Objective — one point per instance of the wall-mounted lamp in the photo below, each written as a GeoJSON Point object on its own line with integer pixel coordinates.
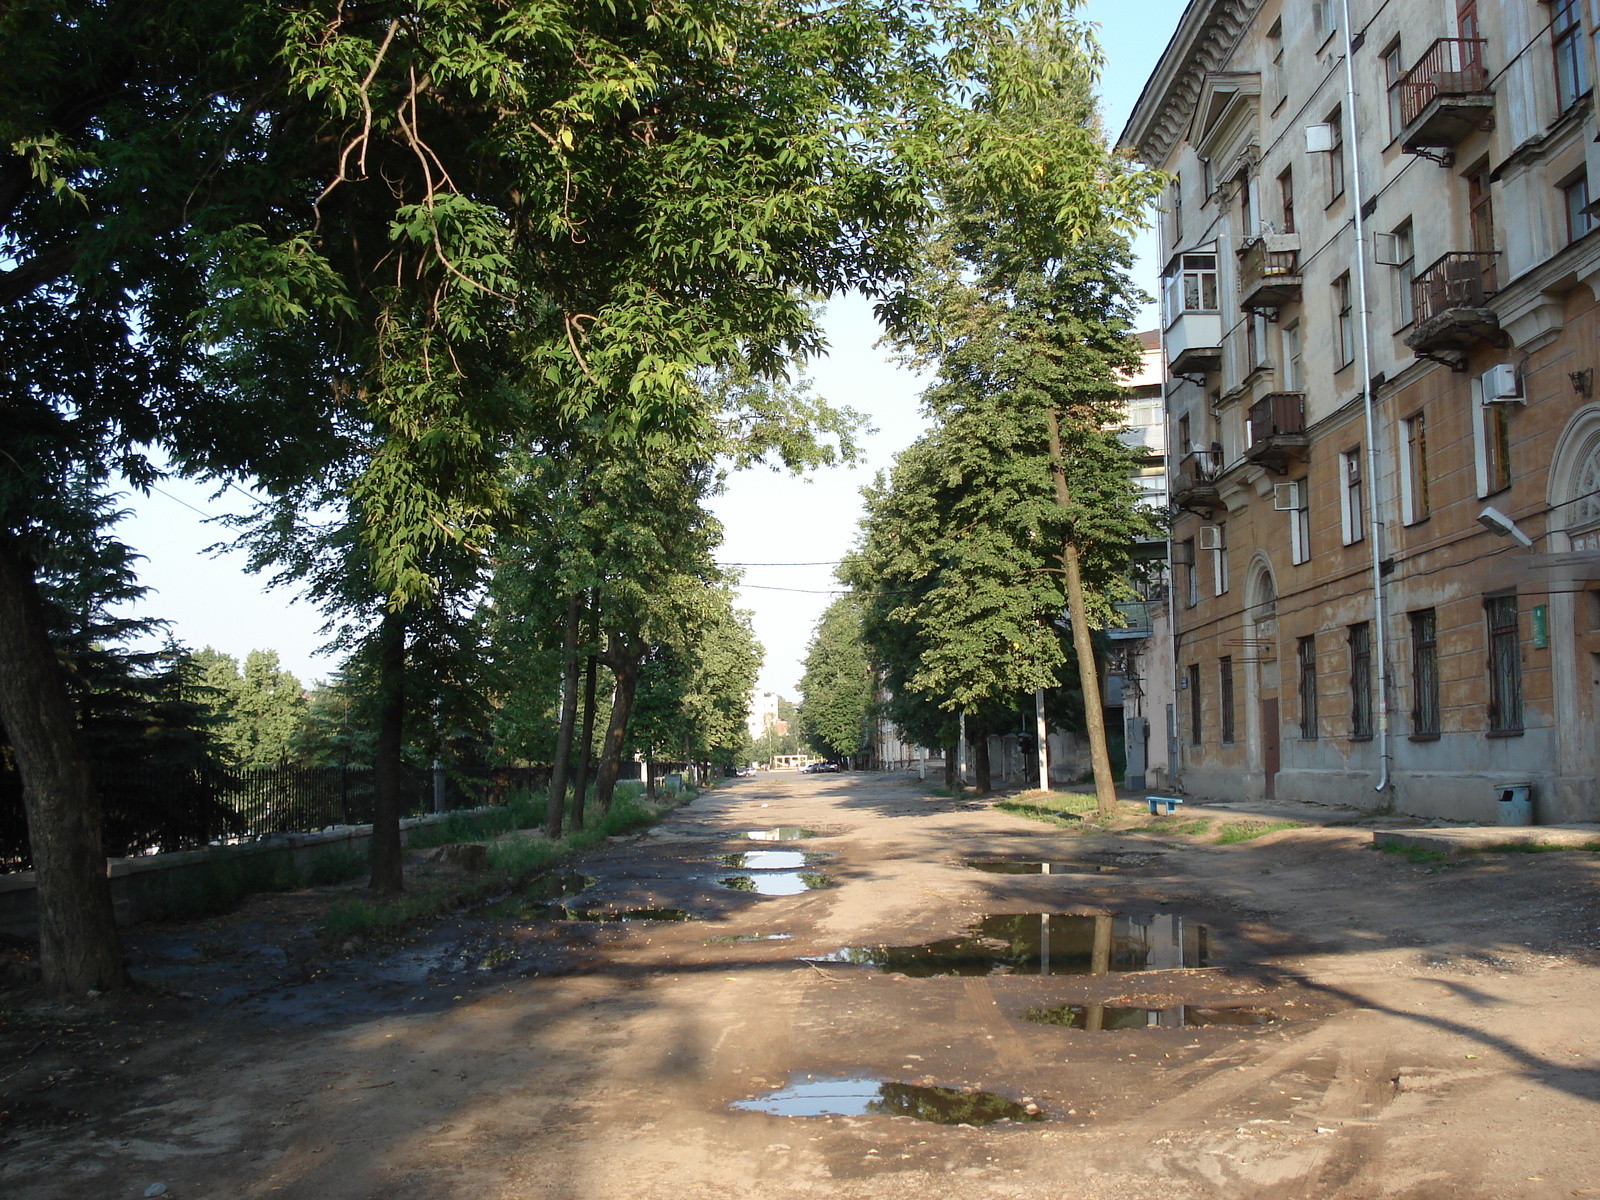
{"type": "Point", "coordinates": [1497, 522]}
{"type": "Point", "coordinates": [1582, 382]}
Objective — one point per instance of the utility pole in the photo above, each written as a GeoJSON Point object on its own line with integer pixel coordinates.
{"type": "Point", "coordinates": [1041, 736]}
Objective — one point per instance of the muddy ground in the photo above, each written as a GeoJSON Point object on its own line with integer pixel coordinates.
{"type": "Point", "coordinates": [1375, 1027]}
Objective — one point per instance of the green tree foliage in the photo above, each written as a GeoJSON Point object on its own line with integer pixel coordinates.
{"type": "Point", "coordinates": [836, 690]}
{"type": "Point", "coordinates": [257, 712]}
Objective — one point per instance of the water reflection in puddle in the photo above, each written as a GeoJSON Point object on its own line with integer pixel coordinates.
{"type": "Point", "coordinates": [776, 883]}
{"type": "Point", "coordinates": [534, 902]}
{"type": "Point", "coordinates": [784, 833]}
{"type": "Point", "coordinates": [1010, 867]}
{"type": "Point", "coordinates": [765, 860]}
{"type": "Point", "coordinates": [1047, 944]}
{"type": "Point", "coordinates": [1179, 1016]}
{"type": "Point", "coordinates": [560, 912]}
{"type": "Point", "coordinates": [854, 1096]}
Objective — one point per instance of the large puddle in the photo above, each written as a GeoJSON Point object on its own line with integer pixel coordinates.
{"type": "Point", "coordinates": [536, 900]}
{"type": "Point", "coordinates": [1179, 1016]}
{"type": "Point", "coordinates": [856, 1095]}
{"type": "Point", "coordinates": [1010, 867]}
{"type": "Point", "coordinates": [776, 883]}
{"type": "Point", "coordinates": [1047, 944]}
{"type": "Point", "coordinates": [784, 833]}
{"type": "Point", "coordinates": [764, 860]}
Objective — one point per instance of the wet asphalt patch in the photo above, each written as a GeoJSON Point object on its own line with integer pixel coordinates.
{"type": "Point", "coordinates": [866, 1095]}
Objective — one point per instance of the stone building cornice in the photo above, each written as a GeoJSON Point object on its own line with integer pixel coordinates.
{"type": "Point", "coordinates": [1206, 36]}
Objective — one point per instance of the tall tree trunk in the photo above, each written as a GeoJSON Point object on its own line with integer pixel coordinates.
{"type": "Point", "coordinates": [556, 802]}
{"type": "Point", "coordinates": [650, 778]}
{"type": "Point", "coordinates": [580, 778]}
{"type": "Point", "coordinates": [980, 758]}
{"type": "Point", "coordinates": [388, 872]}
{"type": "Point", "coordinates": [950, 766]}
{"type": "Point", "coordinates": [78, 944]}
{"type": "Point", "coordinates": [1105, 788]}
{"type": "Point", "coordinates": [624, 664]}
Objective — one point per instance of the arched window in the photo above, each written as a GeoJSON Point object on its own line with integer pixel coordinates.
{"type": "Point", "coordinates": [1583, 517]}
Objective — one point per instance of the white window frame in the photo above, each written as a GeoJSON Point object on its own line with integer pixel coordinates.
{"type": "Point", "coordinates": [1480, 440]}
{"type": "Point", "coordinates": [1300, 522]}
{"type": "Point", "coordinates": [1352, 500]}
{"type": "Point", "coordinates": [1219, 564]}
{"type": "Point", "coordinates": [1405, 252]}
{"type": "Point", "coordinates": [1293, 349]}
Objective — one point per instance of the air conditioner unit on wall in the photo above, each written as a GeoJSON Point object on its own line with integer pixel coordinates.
{"type": "Point", "coordinates": [1286, 497]}
{"type": "Point", "coordinates": [1502, 385]}
{"type": "Point", "coordinates": [1211, 537]}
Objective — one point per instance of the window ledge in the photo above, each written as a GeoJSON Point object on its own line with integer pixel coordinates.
{"type": "Point", "coordinates": [1505, 733]}
{"type": "Point", "coordinates": [1422, 737]}
{"type": "Point", "coordinates": [1359, 737]}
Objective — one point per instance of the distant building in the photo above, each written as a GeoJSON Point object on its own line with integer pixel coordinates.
{"type": "Point", "coordinates": [762, 715]}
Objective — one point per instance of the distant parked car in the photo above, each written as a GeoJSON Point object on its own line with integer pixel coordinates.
{"type": "Point", "coordinates": [742, 772]}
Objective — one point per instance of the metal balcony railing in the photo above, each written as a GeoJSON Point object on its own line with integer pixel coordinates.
{"type": "Point", "coordinates": [1449, 67]}
{"type": "Point", "coordinates": [1257, 263]}
{"type": "Point", "coordinates": [1459, 279]}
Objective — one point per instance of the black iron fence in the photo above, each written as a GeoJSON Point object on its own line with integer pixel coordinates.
{"type": "Point", "coordinates": [149, 810]}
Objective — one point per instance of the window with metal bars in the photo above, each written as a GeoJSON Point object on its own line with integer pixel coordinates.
{"type": "Point", "coordinates": [1505, 666]}
{"type": "Point", "coordinates": [1225, 679]}
{"type": "Point", "coordinates": [1360, 638]}
{"type": "Point", "coordinates": [1424, 674]}
{"type": "Point", "coordinates": [1194, 704]}
{"type": "Point", "coordinates": [1308, 688]}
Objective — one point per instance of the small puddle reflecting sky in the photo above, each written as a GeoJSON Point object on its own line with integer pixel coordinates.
{"type": "Point", "coordinates": [855, 1096]}
{"type": "Point", "coordinates": [1009, 867]}
{"type": "Point", "coordinates": [1179, 1016]}
{"type": "Point", "coordinates": [784, 833]}
{"type": "Point", "coordinates": [1047, 944]}
{"type": "Point", "coordinates": [776, 883]}
{"type": "Point", "coordinates": [765, 860]}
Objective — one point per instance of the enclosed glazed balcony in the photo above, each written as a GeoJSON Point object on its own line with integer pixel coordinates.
{"type": "Point", "coordinates": [1445, 97]}
{"type": "Point", "coordinates": [1450, 303]}
{"type": "Point", "coordinates": [1269, 272]}
{"type": "Point", "coordinates": [1194, 485]}
{"type": "Point", "coordinates": [1278, 431]}
{"type": "Point", "coordinates": [1194, 344]}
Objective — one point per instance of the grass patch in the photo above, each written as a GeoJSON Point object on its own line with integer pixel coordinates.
{"type": "Point", "coordinates": [1247, 831]}
{"type": "Point", "coordinates": [1415, 854]}
{"type": "Point", "coordinates": [1531, 847]}
{"type": "Point", "coordinates": [1064, 810]}
{"type": "Point", "coordinates": [335, 866]}
{"type": "Point", "coordinates": [1175, 826]}
{"type": "Point", "coordinates": [513, 861]}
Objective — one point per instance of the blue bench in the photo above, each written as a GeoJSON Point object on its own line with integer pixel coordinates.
{"type": "Point", "coordinates": [1171, 802]}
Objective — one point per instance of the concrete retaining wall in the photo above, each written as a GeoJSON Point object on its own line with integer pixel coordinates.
{"type": "Point", "coordinates": [156, 884]}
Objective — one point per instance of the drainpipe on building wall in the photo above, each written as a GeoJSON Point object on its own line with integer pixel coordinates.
{"type": "Point", "coordinates": [1373, 506]}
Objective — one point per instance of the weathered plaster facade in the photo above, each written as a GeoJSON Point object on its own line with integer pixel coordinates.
{"type": "Point", "coordinates": [1474, 129]}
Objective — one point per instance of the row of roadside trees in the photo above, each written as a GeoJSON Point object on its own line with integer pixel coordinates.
{"type": "Point", "coordinates": [480, 295]}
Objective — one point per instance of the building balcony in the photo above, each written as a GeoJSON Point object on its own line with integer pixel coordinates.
{"type": "Point", "coordinates": [1194, 344]}
{"type": "Point", "coordinates": [1269, 272]}
{"type": "Point", "coordinates": [1138, 618]}
{"type": "Point", "coordinates": [1445, 97]}
{"type": "Point", "coordinates": [1278, 435]}
{"type": "Point", "coordinates": [1195, 482]}
{"type": "Point", "coordinates": [1449, 301]}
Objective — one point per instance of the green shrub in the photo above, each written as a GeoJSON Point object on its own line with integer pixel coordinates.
{"type": "Point", "coordinates": [335, 866]}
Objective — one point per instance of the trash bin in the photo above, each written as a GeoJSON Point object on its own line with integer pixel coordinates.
{"type": "Point", "coordinates": [1516, 804]}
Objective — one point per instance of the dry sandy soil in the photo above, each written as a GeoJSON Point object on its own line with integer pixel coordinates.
{"type": "Point", "coordinates": [1433, 1028]}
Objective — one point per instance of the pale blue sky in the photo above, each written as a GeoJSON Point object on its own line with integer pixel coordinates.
{"type": "Point", "coordinates": [769, 518]}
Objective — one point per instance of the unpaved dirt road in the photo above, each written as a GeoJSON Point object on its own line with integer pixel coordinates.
{"type": "Point", "coordinates": [1434, 1031]}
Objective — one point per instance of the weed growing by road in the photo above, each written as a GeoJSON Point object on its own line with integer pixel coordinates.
{"type": "Point", "coordinates": [1415, 854]}
{"type": "Point", "coordinates": [1064, 810]}
{"type": "Point", "coordinates": [1245, 831]}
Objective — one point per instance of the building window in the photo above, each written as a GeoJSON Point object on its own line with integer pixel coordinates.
{"type": "Point", "coordinates": [1424, 674]}
{"type": "Point", "coordinates": [1414, 470]}
{"type": "Point", "coordinates": [1280, 84]}
{"type": "Point", "coordinates": [1360, 637]}
{"type": "Point", "coordinates": [1480, 205]}
{"type": "Point", "coordinates": [1566, 30]}
{"type": "Point", "coordinates": [1192, 592]}
{"type": "Point", "coordinates": [1194, 705]}
{"type": "Point", "coordinates": [1177, 207]}
{"type": "Point", "coordinates": [1194, 287]}
{"type": "Point", "coordinates": [1219, 561]}
{"type": "Point", "coordinates": [1491, 444]}
{"type": "Point", "coordinates": [1344, 323]}
{"type": "Point", "coordinates": [1300, 522]}
{"type": "Point", "coordinates": [1225, 674]}
{"type": "Point", "coordinates": [1294, 379]}
{"type": "Point", "coordinates": [1505, 665]}
{"type": "Point", "coordinates": [1393, 68]}
{"type": "Point", "coordinates": [1352, 505]}
{"type": "Point", "coordinates": [1247, 205]}
{"type": "Point", "coordinates": [1335, 121]}
{"type": "Point", "coordinates": [1307, 657]}
{"type": "Point", "coordinates": [1185, 441]}
{"type": "Point", "coordinates": [1286, 200]}
{"type": "Point", "coordinates": [1324, 17]}
{"type": "Point", "coordinates": [1575, 199]}
{"type": "Point", "coordinates": [1405, 257]}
